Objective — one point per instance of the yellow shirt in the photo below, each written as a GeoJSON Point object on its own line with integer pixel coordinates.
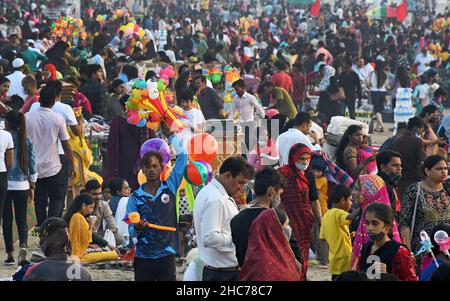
{"type": "Point", "coordinates": [79, 234]}
{"type": "Point", "coordinates": [337, 234]}
{"type": "Point", "coordinates": [322, 188]}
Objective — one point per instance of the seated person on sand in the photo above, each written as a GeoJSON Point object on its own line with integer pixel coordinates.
{"type": "Point", "coordinates": [105, 218]}
{"type": "Point", "coordinates": [86, 244]}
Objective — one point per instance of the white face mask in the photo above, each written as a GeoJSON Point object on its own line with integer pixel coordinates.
{"type": "Point", "coordinates": [301, 167]}
{"type": "Point", "coordinates": [288, 232]}
{"type": "Point", "coordinates": [276, 201]}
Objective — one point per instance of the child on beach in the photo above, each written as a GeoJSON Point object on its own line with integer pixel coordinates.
{"type": "Point", "coordinates": [365, 151]}
{"type": "Point", "coordinates": [335, 230]}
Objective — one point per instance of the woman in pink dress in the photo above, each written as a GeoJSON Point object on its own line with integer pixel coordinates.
{"type": "Point", "coordinates": [372, 189]}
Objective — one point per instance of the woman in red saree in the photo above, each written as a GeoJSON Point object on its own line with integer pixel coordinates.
{"type": "Point", "coordinates": [295, 199]}
{"type": "Point", "coordinates": [269, 256]}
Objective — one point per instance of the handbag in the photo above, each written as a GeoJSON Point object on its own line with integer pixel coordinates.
{"type": "Point", "coordinates": [339, 95]}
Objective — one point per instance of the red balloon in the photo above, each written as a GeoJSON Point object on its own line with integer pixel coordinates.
{"type": "Point", "coordinates": [196, 173]}
{"type": "Point", "coordinates": [202, 147]}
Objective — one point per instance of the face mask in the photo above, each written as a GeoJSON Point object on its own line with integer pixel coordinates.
{"type": "Point", "coordinates": [301, 167]}
{"type": "Point", "coordinates": [262, 143]}
{"type": "Point", "coordinates": [377, 236]}
{"type": "Point", "coordinates": [395, 177]}
{"type": "Point", "coordinates": [287, 232]}
{"type": "Point", "coordinates": [276, 202]}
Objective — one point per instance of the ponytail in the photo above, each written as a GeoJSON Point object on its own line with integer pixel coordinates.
{"type": "Point", "coordinates": [23, 143]}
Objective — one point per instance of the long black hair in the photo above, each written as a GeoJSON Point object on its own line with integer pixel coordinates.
{"type": "Point", "coordinates": [77, 204]}
{"type": "Point", "coordinates": [16, 121]}
{"type": "Point", "coordinates": [343, 144]}
{"type": "Point", "coordinates": [381, 75]}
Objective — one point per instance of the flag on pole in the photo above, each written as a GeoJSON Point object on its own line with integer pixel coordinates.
{"type": "Point", "coordinates": [402, 11]}
{"type": "Point", "coordinates": [315, 9]}
{"type": "Point", "coordinates": [386, 11]}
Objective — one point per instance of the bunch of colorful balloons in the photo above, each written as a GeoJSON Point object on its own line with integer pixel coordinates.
{"type": "Point", "coordinates": [441, 24]}
{"type": "Point", "coordinates": [66, 28]}
{"type": "Point", "coordinates": [147, 106]}
{"type": "Point", "coordinates": [231, 75]}
{"type": "Point", "coordinates": [131, 29]}
{"type": "Point", "coordinates": [214, 74]}
{"type": "Point", "coordinates": [202, 150]}
{"type": "Point", "coordinates": [435, 48]}
{"type": "Point", "coordinates": [101, 19]}
{"type": "Point", "coordinates": [120, 12]}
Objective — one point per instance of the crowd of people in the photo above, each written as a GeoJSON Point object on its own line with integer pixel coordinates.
{"type": "Point", "coordinates": [282, 204]}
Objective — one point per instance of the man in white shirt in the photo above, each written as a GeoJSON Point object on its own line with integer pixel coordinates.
{"type": "Point", "coordinates": [71, 121]}
{"type": "Point", "coordinates": [297, 134]}
{"type": "Point", "coordinates": [246, 105]}
{"type": "Point", "coordinates": [423, 61]}
{"type": "Point", "coordinates": [213, 210]}
{"type": "Point", "coordinates": [45, 128]}
{"type": "Point", "coordinates": [15, 78]}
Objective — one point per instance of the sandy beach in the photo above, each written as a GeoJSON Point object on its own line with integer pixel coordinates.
{"type": "Point", "coordinates": [315, 272]}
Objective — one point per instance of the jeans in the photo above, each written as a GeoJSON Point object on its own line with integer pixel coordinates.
{"type": "Point", "coordinates": [3, 191]}
{"type": "Point", "coordinates": [161, 269]}
{"type": "Point", "coordinates": [210, 275]}
{"type": "Point", "coordinates": [50, 192]}
{"type": "Point", "coordinates": [19, 198]}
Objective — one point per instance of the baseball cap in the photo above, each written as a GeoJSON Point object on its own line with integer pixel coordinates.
{"type": "Point", "coordinates": [30, 41]}
{"type": "Point", "coordinates": [17, 63]}
{"type": "Point", "coordinates": [50, 226]}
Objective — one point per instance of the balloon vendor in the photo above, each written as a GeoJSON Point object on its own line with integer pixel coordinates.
{"type": "Point", "coordinates": [155, 202]}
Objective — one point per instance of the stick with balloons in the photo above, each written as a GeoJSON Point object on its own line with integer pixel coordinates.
{"type": "Point", "coordinates": [442, 239]}
{"type": "Point", "coordinates": [202, 150]}
{"type": "Point", "coordinates": [425, 241]}
{"type": "Point", "coordinates": [131, 29]}
{"type": "Point", "coordinates": [66, 28]}
{"type": "Point", "coordinates": [147, 105]}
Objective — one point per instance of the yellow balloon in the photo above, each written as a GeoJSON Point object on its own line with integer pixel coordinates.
{"type": "Point", "coordinates": [183, 184]}
{"type": "Point", "coordinates": [142, 179]}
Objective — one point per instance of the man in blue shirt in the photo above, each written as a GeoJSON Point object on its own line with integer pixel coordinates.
{"type": "Point", "coordinates": [155, 202]}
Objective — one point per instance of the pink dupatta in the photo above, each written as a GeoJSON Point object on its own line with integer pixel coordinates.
{"type": "Point", "coordinates": [373, 189]}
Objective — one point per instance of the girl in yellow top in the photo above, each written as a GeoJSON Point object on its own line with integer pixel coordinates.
{"type": "Point", "coordinates": [80, 232]}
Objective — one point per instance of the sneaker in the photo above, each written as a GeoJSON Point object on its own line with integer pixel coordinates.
{"type": "Point", "coordinates": [22, 255]}
{"type": "Point", "coordinates": [36, 257]}
{"type": "Point", "coordinates": [9, 261]}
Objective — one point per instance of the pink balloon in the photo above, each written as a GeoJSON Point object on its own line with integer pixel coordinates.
{"type": "Point", "coordinates": [170, 72]}
{"type": "Point", "coordinates": [128, 31]}
{"type": "Point", "coordinates": [133, 117]}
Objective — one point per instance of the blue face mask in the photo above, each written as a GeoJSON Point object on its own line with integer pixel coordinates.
{"type": "Point", "coordinates": [301, 167]}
